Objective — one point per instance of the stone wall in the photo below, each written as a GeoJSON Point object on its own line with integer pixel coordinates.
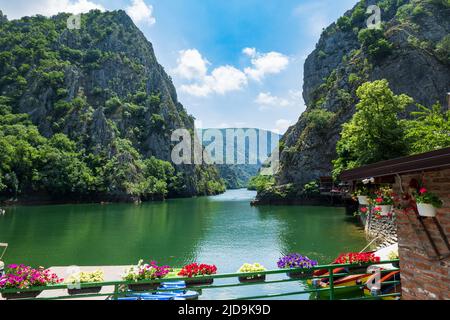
{"type": "Point", "coordinates": [382, 231]}
{"type": "Point", "coordinates": [422, 277]}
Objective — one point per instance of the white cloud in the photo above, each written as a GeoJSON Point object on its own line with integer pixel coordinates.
{"type": "Point", "coordinates": [222, 80]}
{"type": "Point", "coordinates": [281, 126]}
{"type": "Point", "coordinates": [266, 99]}
{"type": "Point", "coordinates": [140, 12]}
{"type": "Point", "coordinates": [191, 65]}
{"type": "Point", "coordinates": [266, 64]}
{"type": "Point", "coordinates": [251, 52]}
{"type": "Point", "coordinates": [21, 8]}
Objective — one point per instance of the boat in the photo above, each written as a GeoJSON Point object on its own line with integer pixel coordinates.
{"type": "Point", "coordinates": [350, 280]}
{"type": "Point", "coordinates": [385, 286]}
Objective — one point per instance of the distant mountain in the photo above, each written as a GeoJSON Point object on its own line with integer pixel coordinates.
{"type": "Point", "coordinates": [249, 148]}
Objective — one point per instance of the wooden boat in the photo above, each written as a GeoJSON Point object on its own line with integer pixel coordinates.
{"type": "Point", "coordinates": [343, 284]}
{"type": "Point", "coordinates": [350, 278]}
{"type": "Point", "coordinates": [386, 288]}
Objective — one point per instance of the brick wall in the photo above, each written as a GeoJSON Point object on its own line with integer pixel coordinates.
{"type": "Point", "coordinates": [423, 278]}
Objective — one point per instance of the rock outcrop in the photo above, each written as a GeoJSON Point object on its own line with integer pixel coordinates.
{"type": "Point", "coordinates": [407, 55]}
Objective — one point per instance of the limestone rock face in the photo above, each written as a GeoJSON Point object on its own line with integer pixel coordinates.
{"type": "Point", "coordinates": [104, 83]}
{"type": "Point", "coordinates": [339, 65]}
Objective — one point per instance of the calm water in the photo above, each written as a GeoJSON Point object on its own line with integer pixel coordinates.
{"type": "Point", "coordinates": [222, 230]}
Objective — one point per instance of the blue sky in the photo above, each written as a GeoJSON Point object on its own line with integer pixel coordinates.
{"type": "Point", "coordinates": [235, 63]}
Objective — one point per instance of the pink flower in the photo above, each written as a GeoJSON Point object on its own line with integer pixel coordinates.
{"type": "Point", "coordinates": [423, 190]}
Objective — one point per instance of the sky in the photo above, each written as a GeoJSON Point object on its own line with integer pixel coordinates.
{"type": "Point", "coordinates": [235, 63]}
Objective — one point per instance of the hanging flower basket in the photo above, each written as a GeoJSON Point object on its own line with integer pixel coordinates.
{"type": "Point", "coordinates": [254, 279]}
{"type": "Point", "coordinates": [252, 268]}
{"type": "Point", "coordinates": [21, 295]}
{"type": "Point", "coordinates": [426, 210]}
{"type": "Point", "coordinates": [297, 261]}
{"type": "Point", "coordinates": [21, 277]}
{"type": "Point", "coordinates": [143, 287]}
{"type": "Point", "coordinates": [197, 282]}
{"type": "Point", "coordinates": [301, 275]}
{"type": "Point", "coordinates": [75, 281]}
{"type": "Point", "coordinates": [145, 272]}
{"type": "Point", "coordinates": [92, 290]}
{"type": "Point", "coordinates": [196, 274]}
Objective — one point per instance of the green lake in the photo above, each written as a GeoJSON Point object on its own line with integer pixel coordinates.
{"type": "Point", "coordinates": [223, 230]}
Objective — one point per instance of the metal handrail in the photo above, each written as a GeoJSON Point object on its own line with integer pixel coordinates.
{"type": "Point", "coordinates": [122, 284]}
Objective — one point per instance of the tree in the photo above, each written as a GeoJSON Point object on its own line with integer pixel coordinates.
{"type": "Point", "coordinates": [375, 132]}
{"type": "Point", "coordinates": [430, 130]}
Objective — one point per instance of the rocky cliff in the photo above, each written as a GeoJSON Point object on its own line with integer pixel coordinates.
{"type": "Point", "coordinates": [97, 85]}
{"type": "Point", "coordinates": [411, 51]}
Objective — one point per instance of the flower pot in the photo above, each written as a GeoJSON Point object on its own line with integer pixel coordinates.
{"type": "Point", "coordinates": [363, 200]}
{"type": "Point", "coordinates": [253, 279]}
{"type": "Point", "coordinates": [426, 210]}
{"type": "Point", "coordinates": [301, 275]}
{"type": "Point", "coordinates": [385, 210]}
{"type": "Point", "coordinates": [21, 295]}
{"type": "Point", "coordinates": [143, 287]}
{"type": "Point", "coordinates": [196, 282]}
{"type": "Point", "coordinates": [93, 290]}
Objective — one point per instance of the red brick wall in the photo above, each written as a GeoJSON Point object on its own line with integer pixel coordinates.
{"type": "Point", "coordinates": [423, 278]}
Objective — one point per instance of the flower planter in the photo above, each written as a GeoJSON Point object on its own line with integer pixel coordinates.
{"type": "Point", "coordinates": [385, 210]}
{"type": "Point", "coordinates": [253, 279]}
{"type": "Point", "coordinates": [426, 210]}
{"type": "Point", "coordinates": [196, 282]}
{"type": "Point", "coordinates": [21, 295]}
{"type": "Point", "coordinates": [143, 287]}
{"type": "Point", "coordinates": [301, 275]}
{"type": "Point", "coordinates": [363, 200]}
{"type": "Point", "coordinates": [93, 290]}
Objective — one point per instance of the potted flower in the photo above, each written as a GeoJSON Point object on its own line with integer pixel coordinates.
{"type": "Point", "coordinates": [252, 268]}
{"type": "Point", "coordinates": [362, 211]}
{"type": "Point", "coordinates": [427, 203]}
{"type": "Point", "coordinates": [363, 196]}
{"type": "Point", "coordinates": [21, 277]}
{"type": "Point", "coordinates": [196, 273]}
{"type": "Point", "coordinates": [297, 261]}
{"type": "Point", "coordinates": [384, 199]}
{"type": "Point", "coordinates": [145, 272]}
{"type": "Point", "coordinates": [75, 281]}
{"type": "Point", "coordinates": [358, 260]}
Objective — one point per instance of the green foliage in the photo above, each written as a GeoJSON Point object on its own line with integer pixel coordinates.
{"type": "Point", "coordinates": [375, 44]}
{"type": "Point", "coordinates": [429, 130]}
{"type": "Point", "coordinates": [375, 132]}
{"type": "Point", "coordinates": [344, 23]}
{"type": "Point", "coordinates": [442, 49]}
{"type": "Point", "coordinates": [40, 57]}
{"type": "Point", "coordinates": [319, 119]}
{"type": "Point", "coordinates": [311, 188]}
{"type": "Point", "coordinates": [261, 182]}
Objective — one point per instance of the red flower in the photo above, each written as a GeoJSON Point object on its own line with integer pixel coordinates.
{"type": "Point", "coordinates": [364, 210]}
{"type": "Point", "coordinates": [379, 200]}
{"type": "Point", "coordinates": [423, 190]}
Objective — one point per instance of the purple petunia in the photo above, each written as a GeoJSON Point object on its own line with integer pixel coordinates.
{"type": "Point", "coordinates": [296, 261]}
